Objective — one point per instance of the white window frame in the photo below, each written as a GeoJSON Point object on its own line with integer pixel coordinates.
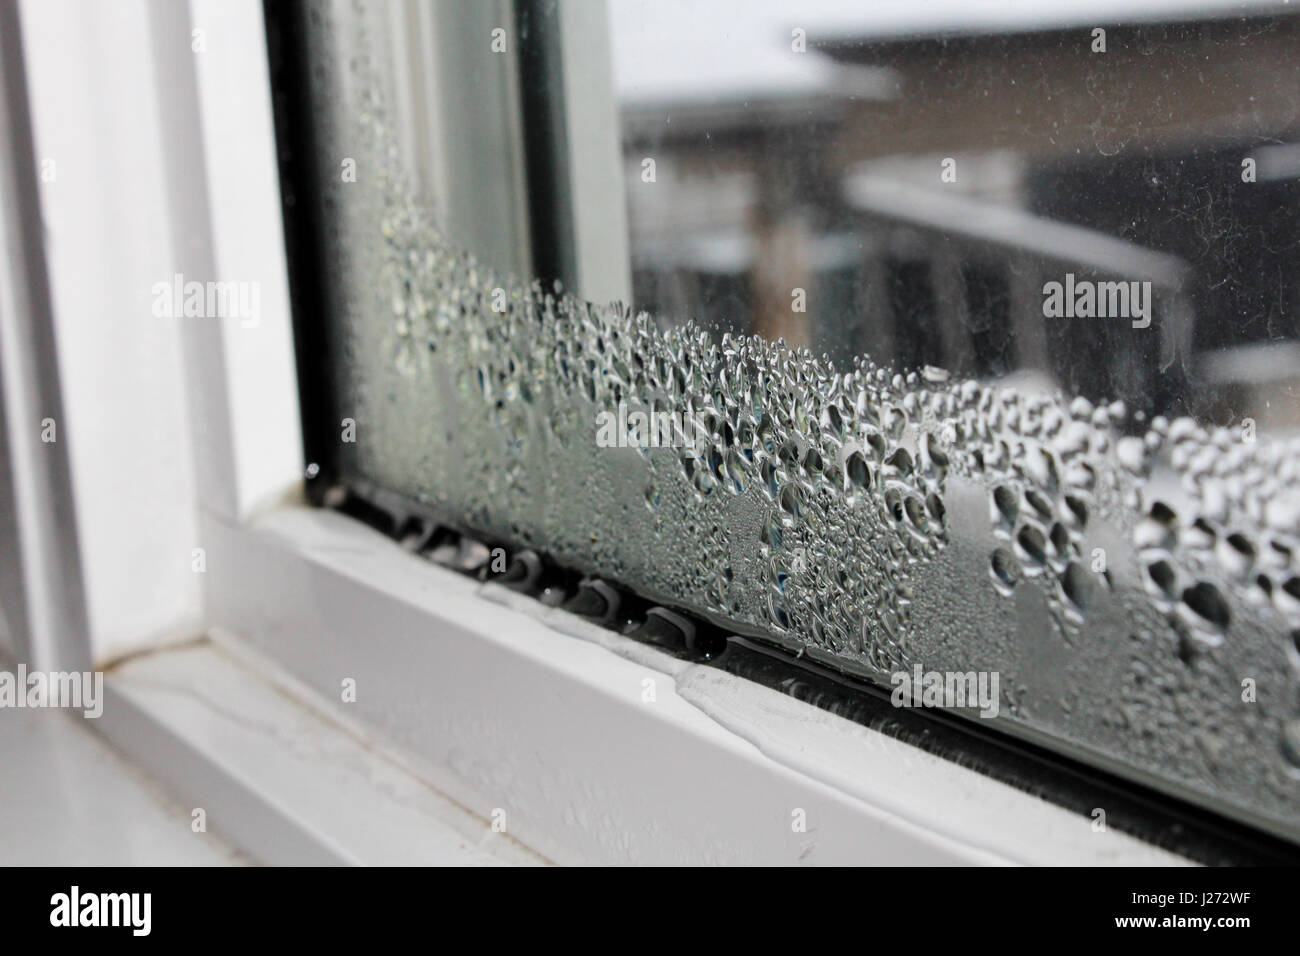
{"type": "Point", "coordinates": [493, 700]}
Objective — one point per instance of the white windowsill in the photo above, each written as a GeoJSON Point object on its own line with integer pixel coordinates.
{"type": "Point", "coordinates": [501, 704]}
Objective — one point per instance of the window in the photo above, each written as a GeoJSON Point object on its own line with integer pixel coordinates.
{"type": "Point", "coordinates": [956, 339]}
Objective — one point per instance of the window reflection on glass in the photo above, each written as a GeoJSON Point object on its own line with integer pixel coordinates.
{"type": "Point", "coordinates": [907, 181]}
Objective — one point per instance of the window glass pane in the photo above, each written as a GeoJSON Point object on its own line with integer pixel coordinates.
{"type": "Point", "coordinates": [921, 171]}
{"type": "Point", "coordinates": [962, 339]}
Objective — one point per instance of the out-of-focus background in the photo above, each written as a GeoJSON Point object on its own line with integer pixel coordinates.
{"type": "Point", "coordinates": [803, 147]}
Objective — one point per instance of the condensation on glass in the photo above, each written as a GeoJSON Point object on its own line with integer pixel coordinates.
{"type": "Point", "coordinates": [942, 459]}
